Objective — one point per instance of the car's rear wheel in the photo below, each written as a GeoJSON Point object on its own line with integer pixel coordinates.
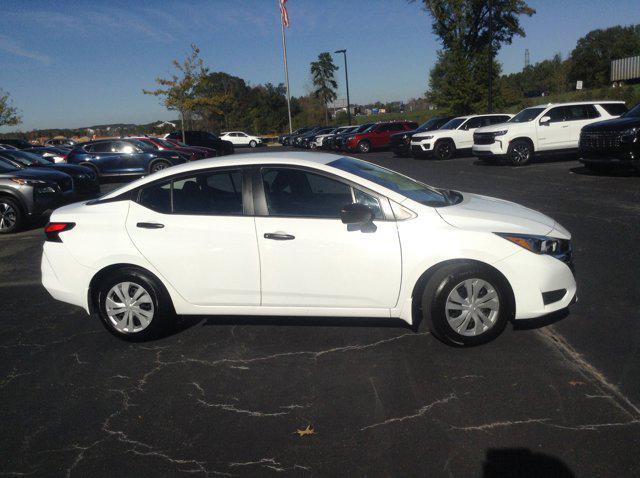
{"type": "Point", "coordinates": [11, 216]}
{"type": "Point", "coordinates": [364, 146]}
{"type": "Point", "coordinates": [520, 152]}
{"type": "Point", "coordinates": [134, 306]}
{"type": "Point", "coordinates": [158, 166]}
{"type": "Point", "coordinates": [252, 144]}
{"type": "Point", "coordinates": [444, 149]}
{"type": "Point", "coordinates": [466, 304]}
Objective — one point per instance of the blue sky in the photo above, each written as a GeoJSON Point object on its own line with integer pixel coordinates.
{"type": "Point", "coordinates": [78, 63]}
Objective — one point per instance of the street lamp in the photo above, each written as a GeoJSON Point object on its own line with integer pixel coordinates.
{"type": "Point", "coordinates": [346, 75]}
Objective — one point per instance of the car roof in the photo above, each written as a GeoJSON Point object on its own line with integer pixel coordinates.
{"type": "Point", "coordinates": [572, 103]}
{"type": "Point", "coordinates": [313, 160]}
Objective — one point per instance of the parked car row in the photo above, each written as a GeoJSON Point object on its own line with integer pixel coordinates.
{"type": "Point", "coordinates": [31, 186]}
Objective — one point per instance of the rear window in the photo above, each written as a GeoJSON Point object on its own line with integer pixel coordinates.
{"type": "Point", "coordinates": [614, 109]}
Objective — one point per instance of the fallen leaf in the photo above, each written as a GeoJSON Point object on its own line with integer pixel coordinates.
{"type": "Point", "coordinates": [306, 431]}
{"type": "Point", "coordinates": [573, 383]}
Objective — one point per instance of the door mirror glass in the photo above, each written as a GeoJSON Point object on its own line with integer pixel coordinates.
{"type": "Point", "coordinates": [356, 213]}
{"type": "Point", "coordinates": [545, 120]}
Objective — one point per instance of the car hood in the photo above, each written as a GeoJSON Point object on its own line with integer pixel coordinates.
{"type": "Point", "coordinates": [435, 133]}
{"type": "Point", "coordinates": [42, 173]}
{"type": "Point", "coordinates": [502, 126]}
{"type": "Point", "coordinates": [617, 124]}
{"type": "Point", "coordinates": [405, 134]}
{"type": "Point", "coordinates": [71, 169]}
{"type": "Point", "coordinates": [487, 214]}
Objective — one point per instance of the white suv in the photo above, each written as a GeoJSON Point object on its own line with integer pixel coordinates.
{"type": "Point", "coordinates": [454, 136]}
{"type": "Point", "coordinates": [541, 129]}
{"type": "Point", "coordinates": [238, 138]}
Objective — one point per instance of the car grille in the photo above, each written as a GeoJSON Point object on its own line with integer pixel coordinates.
{"type": "Point", "coordinates": [483, 138]}
{"type": "Point", "coordinates": [600, 140]}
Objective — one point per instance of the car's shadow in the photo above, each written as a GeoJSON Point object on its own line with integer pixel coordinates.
{"type": "Point", "coordinates": [613, 173]}
{"type": "Point", "coordinates": [546, 159]}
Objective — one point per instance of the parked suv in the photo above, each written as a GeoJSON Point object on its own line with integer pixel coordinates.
{"type": "Point", "coordinates": [25, 194]}
{"type": "Point", "coordinates": [17, 143]}
{"type": "Point", "coordinates": [240, 138]}
{"type": "Point", "coordinates": [551, 128]}
{"type": "Point", "coordinates": [377, 136]}
{"type": "Point", "coordinates": [123, 157]}
{"type": "Point", "coordinates": [453, 137]}
{"type": "Point", "coordinates": [400, 143]}
{"type": "Point", "coordinates": [203, 138]}
{"type": "Point", "coordinates": [615, 142]}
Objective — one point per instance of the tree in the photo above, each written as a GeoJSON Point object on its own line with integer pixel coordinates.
{"type": "Point", "coordinates": [592, 56]}
{"type": "Point", "coordinates": [463, 29]}
{"type": "Point", "coordinates": [322, 73]}
{"type": "Point", "coordinates": [179, 92]}
{"type": "Point", "coordinates": [8, 113]}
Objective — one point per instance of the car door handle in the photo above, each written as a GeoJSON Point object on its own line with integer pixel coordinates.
{"type": "Point", "coordinates": [150, 225]}
{"type": "Point", "coordinates": [276, 236]}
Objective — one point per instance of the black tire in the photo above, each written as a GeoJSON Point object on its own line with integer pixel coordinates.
{"type": "Point", "coordinates": [444, 149]}
{"type": "Point", "coordinates": [599, 168]}
{"type": "Point", "coordinates": [158, 166]}
{"type": "Point", "coordinates": [11, 215]}
{"type": "Point", "coordinates": [434, 304]}
{"type": "Point", "coordinates": [163, 315]}
{"type": "Point", "coordinates": [520, 152]}
{"type": "Point", "coordinates": [364, 146]}
{"type": "Point", "coordinates": [252, 144]}
{"type": "Point", "coordinates": [93, 168]}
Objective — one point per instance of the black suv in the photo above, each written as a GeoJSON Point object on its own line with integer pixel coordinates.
{"type": "Point", "coordinates": [615, 142]}
{"type": "Point", "coordinates": [202, 138]}
{"type": "Point", "coordinates": [401, 142]}
{"type": "Point", "coordinates": [27, 193]}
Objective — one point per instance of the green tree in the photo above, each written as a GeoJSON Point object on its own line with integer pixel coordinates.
{"type": "Point", "coordinates": [8, 113]}
{"type": "Point", "coordinates": [179, 91]}
{"type": "Point", "coordinates": [592, 56]}
{"type": "Point", "coordinates": [458, 80]}
{"type": "Point", "coordinates": [322, 74]}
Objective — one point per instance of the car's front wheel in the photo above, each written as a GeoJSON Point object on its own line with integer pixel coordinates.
{"type": "Point", "coordinates": [11, 216]}
{"type": "Point", "coordinates": [444, 149]}
{"type": "Point", "coordinates": [134, 306]}
{"type": "Point", "coordinates": [158, 166]}
{"type": "Point", "coordinates": [520, 152]}
{"type": "Point", "coordinates": [466, 304]}
{"type": "Point", "coordinates": [364, 146]}
{"type": "Point", "coordinates": [252, 144]}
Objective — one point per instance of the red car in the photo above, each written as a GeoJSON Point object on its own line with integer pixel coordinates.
{"type": "Point", "coordinates": [377, 136]}
{"type": "Point", "coordinates": [161, 145]}
{"type": "Point", "coordinates": [209, 152]}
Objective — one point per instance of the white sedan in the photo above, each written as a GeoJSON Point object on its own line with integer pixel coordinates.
{"type": "Point", "coordinates": [304, 234]}
{"type": "Point", "coordinates": [238, 138]}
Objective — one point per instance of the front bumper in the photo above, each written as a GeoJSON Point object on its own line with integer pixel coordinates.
{"type": "Point", "coordinates": [537, 282]}
{"type": "Point", "coordinates": [496, 149]}
{"type": "Point", "coordinates": [421, 148]}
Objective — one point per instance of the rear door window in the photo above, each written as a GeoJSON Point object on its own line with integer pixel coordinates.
{"type": "Point", "coordinates": [614, 109]}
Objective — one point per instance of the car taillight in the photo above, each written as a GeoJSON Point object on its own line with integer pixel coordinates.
{"type": "Point", "coordinates": [52, 230]}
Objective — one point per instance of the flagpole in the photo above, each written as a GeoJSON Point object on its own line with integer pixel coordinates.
{"type": "Point", "coordinates": [286, 75]}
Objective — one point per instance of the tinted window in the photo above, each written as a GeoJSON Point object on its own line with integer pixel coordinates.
{"type": "Point", "coordinates": [217, 194]}
{"type": "Point", "coordinates": [556, 114]}
{"type": "Point", "coordinates": [474, 123]}
{"type": "Point", "coordinates": [497, 119]}
{"type": "Point", "coordinates": [526, 115]}
{"type": "Point", "coordinates": [396, 127]}
{"type": "Point", "coordinates": [6, 167]}
{"type": "Point", "coordinates": [452, 124]}
{"type": "Point", "coordinates": [157, 197]}
{"type": "Point", "coordinates": [297, 193]}
{"type": "Point", "coordinates": [100, 147]}
{"type": "Point", "coordinates": [576, 112]}
{"type": "Point", "coordinates": [614, 109]}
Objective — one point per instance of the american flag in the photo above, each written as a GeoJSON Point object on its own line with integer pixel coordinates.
{"type": "Point", "coordinates": [284, 15]}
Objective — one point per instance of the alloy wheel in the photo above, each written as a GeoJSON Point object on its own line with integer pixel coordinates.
{"type": "Point", "coordinates": [158, 167]}
{"type": "Point", "coordinates": [472, 307]}
{"type": "Point", "coordinates": [129, 307]}
{"type": "Point", "coordinates": [520, 154]}
{"type": "Point", "coordinates": [7, 216]}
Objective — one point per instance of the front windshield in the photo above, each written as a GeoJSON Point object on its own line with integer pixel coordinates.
{"type": "Point", "coordinates": [453, 124]}
{"type": "Point", "coordinates": [26, 159]}
{"type": "Point", "coordinates": [526, 115]}
{"type": "Point", "coordinates": [366, 128]}
{"type": "Point", "coordinates": [165, 144]}
{"type": "Point", "coordinates": [427, 125]}
{"type": "Point", "coordinates": [404, 185]}
{"type": "Point", "coordinates": [633, 112]}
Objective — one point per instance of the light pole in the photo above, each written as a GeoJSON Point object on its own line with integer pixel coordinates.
{"type": "Point", "coordinates": [346, 75]}
{"type": "Point", "coordinates": [490, 57]}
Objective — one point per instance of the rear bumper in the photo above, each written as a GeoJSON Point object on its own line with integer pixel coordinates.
{"type": "Point", "coordinates": [69, 282]}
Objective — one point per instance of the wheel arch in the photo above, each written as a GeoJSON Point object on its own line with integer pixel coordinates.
{"type": "Point", "coordinates": [107, 271]}
{"type": "Point", "coordinates": [422, 281]}
{"type": "Point", "coordinates": [524, 138]}
{"type": "Point", "coordinates": [10, 193]}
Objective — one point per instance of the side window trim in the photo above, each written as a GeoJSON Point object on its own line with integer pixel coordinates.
{"type": "Point", "coordinates": [247, 199]}
{"type": "Point", "coordinates": [259, 198]}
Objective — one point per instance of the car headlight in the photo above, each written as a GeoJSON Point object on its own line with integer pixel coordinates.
{"type": "Point", "coordinates": [501, 132]}
{"type": "Point", "coordinates": [28, 182]}
{"type": "Point", "coordinates": [558, 248]}
{"type": "Point", "coordinates": [420, 138]}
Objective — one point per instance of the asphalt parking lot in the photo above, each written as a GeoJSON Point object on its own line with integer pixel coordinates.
{"type": "Point", "coordinates": [228, 395]}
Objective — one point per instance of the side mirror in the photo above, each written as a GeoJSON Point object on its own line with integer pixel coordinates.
{"type": "Point", "coordinates": [545, 120]}
{"type": "Point", "coordinates": [356, 213]}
